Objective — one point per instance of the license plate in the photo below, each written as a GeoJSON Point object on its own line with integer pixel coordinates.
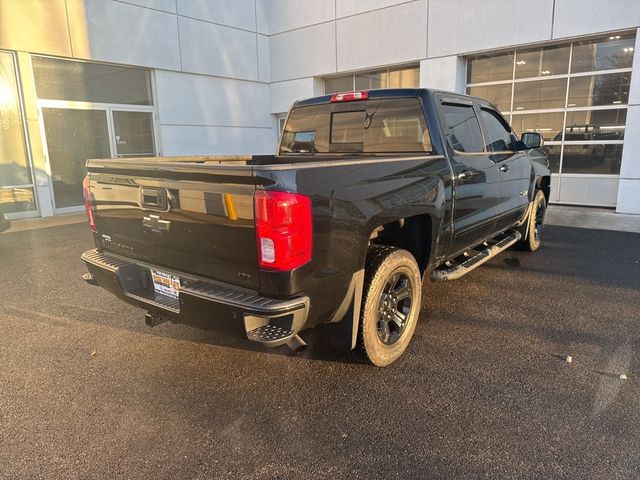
{"type": "Point", "coordinates": [165, 283]}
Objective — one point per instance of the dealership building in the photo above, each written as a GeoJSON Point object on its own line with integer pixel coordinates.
{"type": "Point", "coordinates": [125, 78]}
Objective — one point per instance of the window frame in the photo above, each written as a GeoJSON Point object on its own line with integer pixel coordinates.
{"type": "Point", "coordinates": [386, 70]}
{"type": "Point", "coordinates": [463, 102]}
{"type": "Point", "coordinates": [565, 110]}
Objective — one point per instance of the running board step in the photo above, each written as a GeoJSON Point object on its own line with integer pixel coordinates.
{"type": "Point", "coordinates": [455, 272]}
{"type": "Point", "coordinates": [274, 336]}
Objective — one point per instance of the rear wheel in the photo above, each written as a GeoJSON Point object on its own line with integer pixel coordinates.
{"type": "Point", "coordinates": [391, 304]}
{"type": "Point", "coordinates": [535, 223]}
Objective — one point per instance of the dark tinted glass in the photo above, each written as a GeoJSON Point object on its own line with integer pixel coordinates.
{"type": "Point", "coordinates": [599, 124]}
{"type": "Point", "coordinates": [615, 51]}
{"type": "Point", "coordinates": [497, 135]}
{"type": "Point", "coordinates": [374, 126]}
{"type": "Point", "coordinates": [58, 79]}
{"type": "Point", "coordinates": [464, 129]}
{"type": "Point", "coordinates": [599, 158]}
{"type": "Point", "coordinates": [347, 127]}
{"type": "Point", "coordinates": [607, 89]}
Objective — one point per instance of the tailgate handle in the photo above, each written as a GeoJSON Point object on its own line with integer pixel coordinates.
{"type": "Point", "coordinates": [154, 198]}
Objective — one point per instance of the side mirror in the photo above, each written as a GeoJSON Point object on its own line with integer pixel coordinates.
{"type": "Point", "coordinates": [532, 140]}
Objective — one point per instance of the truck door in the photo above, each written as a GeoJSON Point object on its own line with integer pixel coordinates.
{"type": "Point", "coordinates": [514, 167]}
{"type": "Point", "coordinates": [475, 174]}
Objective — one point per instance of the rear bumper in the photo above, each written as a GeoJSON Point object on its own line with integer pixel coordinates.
{"type": "Point", "coordinates": [202, 303]}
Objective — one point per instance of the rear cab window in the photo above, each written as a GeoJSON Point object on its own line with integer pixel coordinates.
{"type": "Point", "coordinates": [388, 125]}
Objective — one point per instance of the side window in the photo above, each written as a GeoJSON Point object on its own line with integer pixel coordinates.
{"type": "Point", "coordinates": [464, 129]}
{"type": "Point", "coordinates": [498, 133]}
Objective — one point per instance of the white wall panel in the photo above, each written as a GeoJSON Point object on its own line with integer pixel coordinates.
{"type": "Point", "coordinates": [443, 73]}
{"type": "Point", "coordinates": [585, 190]}
{"type": "Point", "coordinates": [628, 197]}
{"type": "Point", "coordinates": [346, 8]}
{"type": "Point", "coordinates": [303, 53]}
{"type": "Point", "coordinates": [284, 15]}
{"type": "Point", "coordinates": [469, 25]}
{"type": "Point", "coordinates": [234, 13]}
{"type": "Point", "coordinates": [200, 100]}
{"type": "Point", "coordinates": [202, 140]}
{"type": "Point", "coordinates": [283, 94]}
{"type": "Point", "coordinates": [123, 33]}
{"type": "Point", "coordinates": [263, 58]}
{"type": "Point", "coordinates": [164, 5]}
{"type": "Point", "coordinates": [630, 166]}
{"type": "Point", "coordinates": [392, 35]}
{"type": "Point", "coordinates": [216, 50]}
{"type": "Point", "coordinates": [583, 17]}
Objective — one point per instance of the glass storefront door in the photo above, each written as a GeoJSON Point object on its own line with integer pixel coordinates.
{"type": "Point", "coordinates": [73, 136]}
{"type": "Point", "coordinates": [90, 110]}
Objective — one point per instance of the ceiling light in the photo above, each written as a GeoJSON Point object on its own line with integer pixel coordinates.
{"type": "Point", "coordinates": [521, 62]}
{"type": "Point", "coordinates": [617, 101]}
{"type": "Point", "coordinates": [614, 37]}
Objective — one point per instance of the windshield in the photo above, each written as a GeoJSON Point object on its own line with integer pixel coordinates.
{"type": "Point", "coordinates": [394, 125]}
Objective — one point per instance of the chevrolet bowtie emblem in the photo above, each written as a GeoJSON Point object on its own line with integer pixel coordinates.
{"type": "Point", "coordinates": [155, 224]}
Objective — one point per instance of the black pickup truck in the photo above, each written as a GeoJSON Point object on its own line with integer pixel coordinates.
{"type": "Point", "coordinates": [369, 193]}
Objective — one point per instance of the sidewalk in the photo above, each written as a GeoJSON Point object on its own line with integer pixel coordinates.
{"type": "Point", "coordinates": [35, 223]}
{"type": "Point", "coordinates": [591, 217]}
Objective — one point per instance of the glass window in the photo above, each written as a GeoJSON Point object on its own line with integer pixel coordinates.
{"type": "Point", "coordinates": [592, 158]}
{"type": "Point", "coordinates": [498, 137]}
{"type": "Point", "coordinates": [593, 90]}
{"type": "Point", "coordinates": [615, 51]}
{"type": "Point", "coordinates": [464, 129]}
{"type": "Point", "coordinates": [377, 126]}
{"type": "Point", "coordinates": [549, 125]}
{"type": "Point", "coordinates": [14, 200]}
{"type": "Point", "coordinates": [537, 95]}
{"type": "Point", "coordinates": [338, 84]}
{"type": "Point", "coordinates": [58, 79]}
{"type": "Point", "coordinates": [490, 68]}
{"type": "Point", "coordinates": [553, 155]}
{"type": "Point", "coordinates": [404, 78]}
{"type": "Point", "coordinates": [134, 133]}
{"type": "Point", "coordinates": [348, 127]}
{"type": "Point", "coordinates": [14, 165]}
{"type": "Point", "coordinates": [499, 95]}
{"type": "Point", "coordinates": [542, 61]}
{"type": "Point", "coordinates": [367, 81]}
{"type": "Point", "coordinates": [600, 124]}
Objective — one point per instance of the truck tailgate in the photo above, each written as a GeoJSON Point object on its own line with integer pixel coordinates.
{"type": "Point", "coordinates": [189, 217]}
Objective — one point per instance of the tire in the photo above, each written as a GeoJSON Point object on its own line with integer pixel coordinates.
{"type": "Point", "coordinates": [535, 223]}
{"type": "Point", "coordinates": [392, 276]}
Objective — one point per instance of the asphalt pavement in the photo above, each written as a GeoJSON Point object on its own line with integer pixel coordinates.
{"type": "Point", "coordinates": [484, 390]}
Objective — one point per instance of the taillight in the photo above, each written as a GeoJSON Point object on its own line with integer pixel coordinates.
{"type": "Point", "coordinates": [350, 96]}
{"type": "Point", "coordinates": [88, 204]}
{"type": "Point", "coordinates": [283, 229]}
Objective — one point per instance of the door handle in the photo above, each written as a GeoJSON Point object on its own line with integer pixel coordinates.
{"type": "Point", "coordinates": [504, 168]}
{"type": "Point", "coordinates": [463, 175]}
